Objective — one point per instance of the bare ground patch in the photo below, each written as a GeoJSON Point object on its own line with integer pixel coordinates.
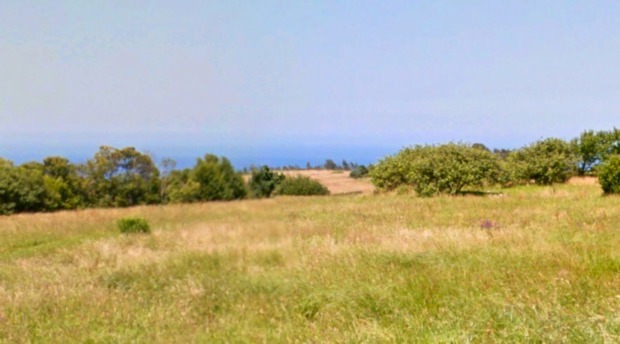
{"type": "Point", "coordinates": [338, 182]}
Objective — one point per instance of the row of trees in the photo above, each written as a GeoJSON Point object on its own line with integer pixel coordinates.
{"type": "Point", "coordinates": [329, 164]}
{"type": "Point", "coordinates": [127, 177]}
{"type": "Point", "coordinates": [121, 178]}
{"type": "Point", "coordinates": [454, 167]}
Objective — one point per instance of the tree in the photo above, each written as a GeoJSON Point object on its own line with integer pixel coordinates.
{"type": "Point", "coordinates": [63, 184]}
{"type": "Point", "coordinates": [395, 170]}
{"type": "Point", "coordinates": [545, 162]}
{"type": "Point", "coordinates": [330, 165]}
{"type": "Point", "coordinates": [609, 144]}
{"type": "Point", "coordinates": [211, 179]}
{"type": "Point", "coordinates": [589, 148]}
{"type": "Point", "coordinates": [264, 181]}
{"type": "Point", "coordinates": [218, 179]}
{"type": "Point", "coordinates": [120, 178]}
{"type": "Point", "coordinates": [345, 165]}
{"type": "Point", "coordinates": [181, 189]}
{"type": "Point", "coordinates": [609, 175]}
{"type": "Point", "coordinates": [166, 168]}
{"type": "Point", "coordinates": [448, 168]}
{"type": "Point", "coordinates": [22, 188]}
{"type": "Point", "coordinates": [9, 188]}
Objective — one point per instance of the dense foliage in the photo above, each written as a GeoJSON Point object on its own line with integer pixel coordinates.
{"type": "Point", "coordinates": [448, 168]}
{"type": "Point", "coordinates": [120, 178]}
{"type": "Point", "coordinates": [113, 178]}
{"type": "Point", "coordinates": [594, 147]}
{"type": "Point", "coordinates": [126, 177]}
{"type": "Point", "coordinates": [211, 179]}
{"type": "Point", "coordinates": [301, 186]}
{"type": "Point", "coordinates": [22, 188]}
{"type": "Point", "coordinates": [545, 162]}
{"type": "Point", "coordinates": [263, 182]}
{"type": "Point", "coordinates": [609, 175]}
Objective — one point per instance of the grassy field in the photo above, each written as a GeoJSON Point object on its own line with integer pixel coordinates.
{"type": "Point", "coordinates": [532, 265]}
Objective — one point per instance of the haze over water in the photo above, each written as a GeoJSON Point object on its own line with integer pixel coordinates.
{"type": "Point", "coordinates": [284, 83]}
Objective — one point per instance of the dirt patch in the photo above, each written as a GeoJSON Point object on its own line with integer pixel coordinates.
{"type": "Point", "coordinates": [338, 182]}
{"type": "Point", "coordinates": [583, 181]}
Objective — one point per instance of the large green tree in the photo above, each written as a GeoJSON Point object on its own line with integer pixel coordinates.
{"type": "Point", "coordinates": [211, 179]}
{"type": "Point", "coordinates": [545, 162]}
{"type": "Point", "coordinates": [218, 179]}
{"type": "Point", "coordinates": [448, 168]}
{"type": "Point", "coordinates": [22, 188]}
{"type": "Point", "coordinates": [63, 184]}
{"type": "Point", "coordinates": [593, 148]}
{"type": "Point", "coordinates": [121, 177]}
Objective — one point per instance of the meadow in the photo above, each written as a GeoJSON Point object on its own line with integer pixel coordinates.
{"type": "Point", "coordinates": [529, 264]}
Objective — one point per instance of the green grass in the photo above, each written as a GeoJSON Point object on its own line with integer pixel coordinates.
{"type": "Point", "coordinates": [384, 268]}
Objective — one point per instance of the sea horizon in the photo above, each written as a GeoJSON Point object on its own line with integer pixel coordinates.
{"type": "Point", "coordinates": [241, 157]}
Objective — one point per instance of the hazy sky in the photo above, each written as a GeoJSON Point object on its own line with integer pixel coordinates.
{"type": "Point", "coordinates": [253, 78]}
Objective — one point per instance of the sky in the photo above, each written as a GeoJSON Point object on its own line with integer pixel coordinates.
{"type": "Point", "coordinates": [285, 82]}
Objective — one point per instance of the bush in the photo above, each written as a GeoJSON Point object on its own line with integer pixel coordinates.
{"type": "Point", "coordinates": [394, 171]}
{"type": "Point", "coordinates": [609, 175]}
{"type": "Point", "coordinates": [133, 225]}
{"type": "Point", "coordinates": [212, 179]}
{"type": "Point", "coordinates": [359, 172]}
{"type": "Point", "coordinates": [301, 186]}
{"type": "Point", "coordinates": [448, 169]}
{"type": "Point", "coordinates": [264, 182]}
{"type": "Point", "coordinates": [545, 162]}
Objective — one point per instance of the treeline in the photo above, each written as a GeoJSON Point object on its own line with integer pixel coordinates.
{"type": "Point", "coordinates": [456, 167]}
{"type": "Point", "coordinates": [126, 177]}
{"type": "Point", "coordinates": [329, 164]}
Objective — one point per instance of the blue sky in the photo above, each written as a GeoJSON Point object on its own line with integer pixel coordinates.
{"type": "Point", "coordinates": [283, 82]}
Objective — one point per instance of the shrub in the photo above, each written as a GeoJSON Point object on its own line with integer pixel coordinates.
{"type": "Point", "coordinates": [394, 171]}
{"type": "Point", "coordinates": [359, 172]}
{"type": "Point", "coordinates": [609, 175]}
{"type": "Point", "coordinates": [133, 225]}
{"type": "Point", "coordinates": [431, 170]}
{"type": "Point", "coordinates": [218, 179]}
{"type": "Point", "coordinates": [264, 182]}
{"type": "Point", "coordinates": [545, 162]}
{"type": "Point", "coordinates": [212, 179]}
{"type": "Point", "coordinates": [301, 186]}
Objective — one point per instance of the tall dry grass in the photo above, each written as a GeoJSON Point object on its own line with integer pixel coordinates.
{"type": "Point", "coordinates": [532, 265]}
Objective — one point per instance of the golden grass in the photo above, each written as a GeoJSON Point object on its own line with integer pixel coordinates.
{"type": "Point", "coordinates": [583, 181]}
{"type": "Point", "coordinates": [338, 182]}
{"type": "Point", "coordinates": [361, 268]}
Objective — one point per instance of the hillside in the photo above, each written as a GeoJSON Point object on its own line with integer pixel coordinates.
{"type": "Point", "coordinates": [535, 264]}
